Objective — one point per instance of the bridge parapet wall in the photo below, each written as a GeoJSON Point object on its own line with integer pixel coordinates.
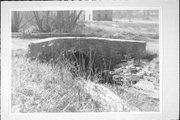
{"type": "Point", "coordinates": [110, 50]}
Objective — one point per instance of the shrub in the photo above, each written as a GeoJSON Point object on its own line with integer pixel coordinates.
{"type": "Point", "coordinates": [149, 56]}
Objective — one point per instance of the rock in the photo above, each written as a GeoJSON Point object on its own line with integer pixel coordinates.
{"type": "Point", "coordinates": [130, 62]}
{"type": "Point", "coordinates": [117, 71]}
{"type": "Point", "coordinates": [117, 78]}
{"type": "Point", "coordinates": [141, 76]}
{"type": "Point", "coordinates": [133, 70]}
{"type": "Point", "coordinates": [138, 68]}
{"type": "Point", "coordinates": [133, 82]}
{"type": "Point", "coordinates": [146, 85]}
{"type": "Point", "coordinates": [119, 83]}
{"type": "Point", "coordinates": [135, 78]}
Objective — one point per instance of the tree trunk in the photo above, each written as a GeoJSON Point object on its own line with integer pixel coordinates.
{"type": "Point", "coordinates": [48, 29]}
{"type": "Point", "coordinates": [16, 21]}
{"type": "Point", "coordinates": [38, 21]}
{"type": "Point", "coordinates": [60, 20]}
{"type": "Point", "coordinates": [66, 21]}
{"type": "Point", "coordinates": [75, 21]}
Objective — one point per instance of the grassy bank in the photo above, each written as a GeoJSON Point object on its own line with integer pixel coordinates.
{"type": "Point", "coordinates": [42, 87]}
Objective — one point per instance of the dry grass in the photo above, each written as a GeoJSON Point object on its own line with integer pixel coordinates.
{"type": "Point", "coordinates": [41, 87]}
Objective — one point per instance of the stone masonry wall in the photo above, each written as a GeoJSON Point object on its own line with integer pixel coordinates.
{"type": "Point", "coordinates": [111, 51]}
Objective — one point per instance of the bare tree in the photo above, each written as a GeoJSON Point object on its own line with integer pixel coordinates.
{"type": "Point", "coordinates": [67, 20]}
{"type": "Point", "coordinates": [16, 21]}
{"type": "Point", "coordinates": [48, 28]}
{"type": "Point", "coordinates": [76, 18]}
{"type": "Point", "coordinates": [46, 21]}
{"type": "Point", "coordinates": [42, 21]}
{"type": "Point", "coordinates": [60, 20]}
{"type": "Point", "coordinates": [146, 14]}
{"type": "Point", "coordinates": [38, 21]}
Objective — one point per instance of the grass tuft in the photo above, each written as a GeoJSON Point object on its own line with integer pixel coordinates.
{"type": "Point", "coordinates": [149, 56]}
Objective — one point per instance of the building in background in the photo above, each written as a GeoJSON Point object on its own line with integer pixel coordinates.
{"type": "Point", "coordinates": [102, 15]}
{"type": "Point", "coordinates": [97, 15]}
{"type": "Point", "coordinates": [88, 15]}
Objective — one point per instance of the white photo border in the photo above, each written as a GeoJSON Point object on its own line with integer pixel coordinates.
{"type": "Point", "coordinates": [8, 7]}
